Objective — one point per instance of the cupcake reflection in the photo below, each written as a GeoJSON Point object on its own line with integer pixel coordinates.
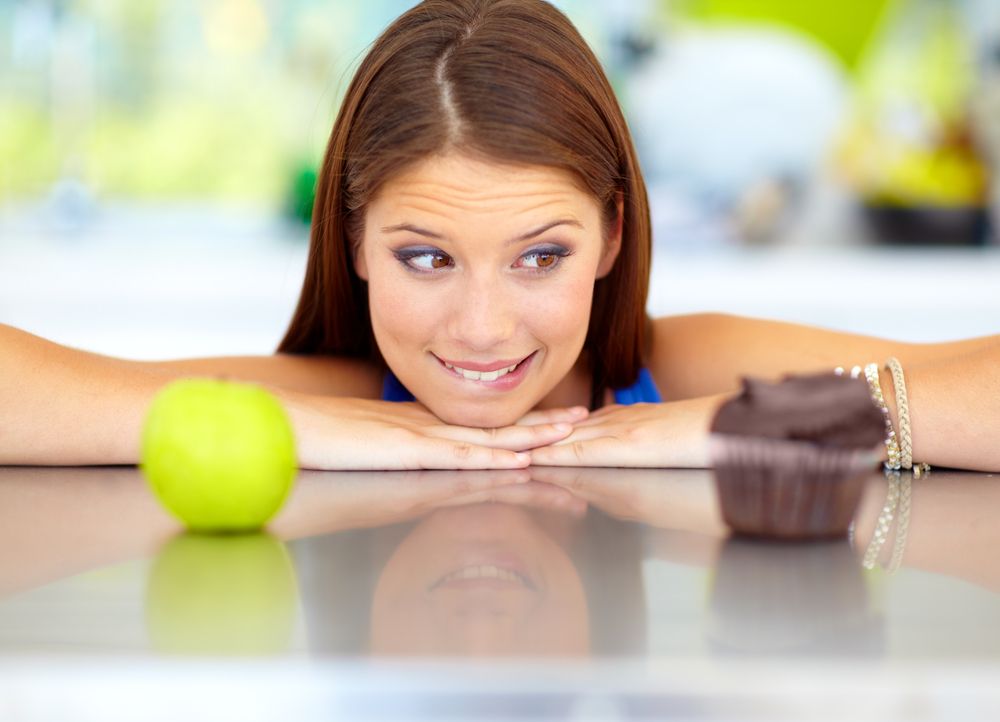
{"type": "Point", "coordinates": [772, 598]}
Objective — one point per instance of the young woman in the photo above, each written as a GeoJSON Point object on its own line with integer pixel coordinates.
{"type": "Point", "coordinates": [476, 287]}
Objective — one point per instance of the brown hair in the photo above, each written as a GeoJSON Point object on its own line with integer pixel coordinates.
{"type": "Point", "coordinates": [508, 80]}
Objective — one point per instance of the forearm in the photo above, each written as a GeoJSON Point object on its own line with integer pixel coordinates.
{"type": "Point", "coordinates": [60, 406]}
{"type": "Point", "coordinates": [954, 407]}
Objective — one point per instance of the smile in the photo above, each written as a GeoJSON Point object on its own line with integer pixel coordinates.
{"type": "Point", "coordinates": [502, 375]}
{"type": "Point", "coordinates": [481, 375]}
{"type": "Point", "coordinates": [467, 577]}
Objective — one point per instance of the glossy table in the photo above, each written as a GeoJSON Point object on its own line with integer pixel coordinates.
{"type": "Point", "coordinates": [580, 594]}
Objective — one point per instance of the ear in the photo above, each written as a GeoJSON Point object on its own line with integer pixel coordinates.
{"type": "Point", "coordinates": [614, 242]}
{"type": "Point", "coordinates": [358, 259]}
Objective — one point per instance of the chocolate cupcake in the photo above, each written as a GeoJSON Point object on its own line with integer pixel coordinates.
{"type": "Point", "coordinates": [791, 457]}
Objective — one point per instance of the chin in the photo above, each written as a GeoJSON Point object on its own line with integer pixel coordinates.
{"type": "Point", "coordinates": [478, 416]}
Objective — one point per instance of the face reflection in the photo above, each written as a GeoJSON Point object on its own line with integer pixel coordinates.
{"type": "Point", "coordinates": [480, 580]}
{"type": "Point", "coordinates": [489, 269]}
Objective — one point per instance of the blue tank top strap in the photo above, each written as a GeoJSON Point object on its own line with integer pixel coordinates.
{"type": "Point", "coordinates": [642, 391]}
{"type": "Point", "coordinates": [393, 390]}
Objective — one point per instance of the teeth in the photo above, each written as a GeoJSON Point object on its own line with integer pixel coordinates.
{"type": "Point", "coordinates": [481, 375]}
{"type": "Point", "coordinates": [486, 571]}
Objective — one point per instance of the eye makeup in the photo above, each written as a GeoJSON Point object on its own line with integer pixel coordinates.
{"type": "Point", "coordinates": [437, 259]}
{"type": "Point", "coordinates": [407, 256]}
{"type": "Point", "coordinates": [555, 253]}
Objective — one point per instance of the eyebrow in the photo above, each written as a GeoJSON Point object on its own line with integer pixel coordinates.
{"type": "Point", "coordinates": [524, 237]}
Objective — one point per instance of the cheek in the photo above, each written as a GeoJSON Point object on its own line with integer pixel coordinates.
{"type": "Point", "coordinates": [559, 309]}
{"type": "Point", "coordinates": [402, 311]}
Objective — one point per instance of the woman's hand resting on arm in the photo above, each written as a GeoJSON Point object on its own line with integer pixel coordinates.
{"type": "Point", "coordinates": [60, 406]}
{"type": "Point", "coordinates": [348, 433]}
{"type": "Point", "coordinates": [671, 434]}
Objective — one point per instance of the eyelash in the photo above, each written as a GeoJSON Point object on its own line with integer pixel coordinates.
{"type": "Point", "coordinates": [406, 255]}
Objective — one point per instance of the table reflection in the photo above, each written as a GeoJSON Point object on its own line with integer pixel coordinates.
{"type": "Point", "coordinates": [557, 563]}
{"type": "Point", "coordinates": [799, 599]}
{"type": "Point", "coordinates": [481, 579]}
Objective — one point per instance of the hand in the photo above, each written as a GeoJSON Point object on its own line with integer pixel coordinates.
{"type": "Point", "coordinates": [326, 502]}
{"type": "Point", "coordinates": [359, 434]}
{"type": "Point", "coordinates": [681, 499]}
{"type": "Point", "coordinates": [673, 434]}
{"type": "Point", "coordinates": [533, 493]}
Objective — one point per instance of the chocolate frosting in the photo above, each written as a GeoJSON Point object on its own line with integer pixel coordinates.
{"type": "Point", "coordinates": [825, 409]}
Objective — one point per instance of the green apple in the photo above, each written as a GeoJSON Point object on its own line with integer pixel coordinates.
{"type": "Point", "coordinates": [219, 455]}
{"type": "Point", "coordinates": [214, 594]}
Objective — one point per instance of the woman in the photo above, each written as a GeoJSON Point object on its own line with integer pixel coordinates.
{"type": "Point", "coordinates": [481, 244]}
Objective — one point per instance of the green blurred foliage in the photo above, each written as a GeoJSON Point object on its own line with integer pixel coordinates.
{"type": "Point", "coordinates": [189, 99]}
{"type": "Point", "coordinates": [28, 156]}
{"type": "Point", "coordinates": [845, 27]}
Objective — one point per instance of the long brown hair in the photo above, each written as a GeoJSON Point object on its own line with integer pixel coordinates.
{"type": "Point", "coordinates": [509, 80]}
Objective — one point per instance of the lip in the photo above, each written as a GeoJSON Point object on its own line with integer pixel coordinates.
{"type": "Point", "coordinates": [482, 367]}
{"type": "Point", "coordinates": [505, 561]}
{"type": "Point", "coordinates": [504, 383]}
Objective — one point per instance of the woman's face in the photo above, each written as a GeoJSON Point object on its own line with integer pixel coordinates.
{"type": "Point", "coordinates": [482, 580]}
{"type": "Point", "coordinates": [480, 279]}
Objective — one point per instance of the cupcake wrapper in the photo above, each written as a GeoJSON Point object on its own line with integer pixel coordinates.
{"type": "Point", "coordinates": [790, 489]}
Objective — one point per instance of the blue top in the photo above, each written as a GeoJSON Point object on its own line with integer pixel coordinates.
{"type": "Point", "coordinates": [642, 391]}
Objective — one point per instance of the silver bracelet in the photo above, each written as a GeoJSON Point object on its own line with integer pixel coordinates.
{"type": "Point", "coordinates": [903, 412]}
{"type": "Point", "coordinates": [891, 442]}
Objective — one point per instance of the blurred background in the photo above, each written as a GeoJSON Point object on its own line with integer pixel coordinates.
{"type": "Point", "coordinates": [830, 162]}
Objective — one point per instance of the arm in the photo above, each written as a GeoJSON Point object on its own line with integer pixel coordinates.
{"type": "Point", "coordinates": [61, 406]}
{"type": "Point", "coordinates": [953, 390]}
{"type": "Point", "coordinates": [707, 353]}
{"type": "Point", "coordinates": [953, 387]}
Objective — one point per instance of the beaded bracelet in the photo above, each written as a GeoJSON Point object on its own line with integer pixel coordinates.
{"type": "Point", "coordinates": [903, 412]}
{"type": "Point", "coordinates": [891, 443]}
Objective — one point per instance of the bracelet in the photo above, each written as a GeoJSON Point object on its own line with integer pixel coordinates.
{"type": "Point", "coordinates": [896, 508]}
{"type": "Point", "coordinates": [891, 443]}
{"type": "Point", "coordinates": [902, 523]}
{"type": "Point", "coordinates": [903, 409]}
{"type": "Point", "coordinates": [903, 412]}
{"type": "Point", "coordinates": [882, 526]}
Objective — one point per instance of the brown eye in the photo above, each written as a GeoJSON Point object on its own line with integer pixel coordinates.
{"type": "Point", "coordinates": [544, 259]}
{"type": "Point", "coordinates": [423, 260]}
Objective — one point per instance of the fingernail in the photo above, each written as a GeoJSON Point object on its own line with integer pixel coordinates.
{"type": "Point", "coordinates": [522, 456]}
{"type": "Point", "coordinates": [562, 428]}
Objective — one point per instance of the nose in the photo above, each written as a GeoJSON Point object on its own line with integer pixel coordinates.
{"type": "Point", "coordinates": [483, 316]}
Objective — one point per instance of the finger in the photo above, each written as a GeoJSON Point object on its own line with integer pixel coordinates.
{"type": "Point", "coordinates": [324, 503]}
{"type": "Point", "coordinates": [542, 496]}
{"type": "Point", "coordinates": [601, 451]}
{"type": "Point", "coordinates": [451, 481]}
{"type": "Point", "coordinates": [448, 454]}
{"type": "Point", "coordinates": [567, 477]}
{"type": "Point", "coordinates": [609, 407]}
{"type": "Point", "coordinates": [514, 438]}
{"type": "Point", "coordinates": [571, 415]}
{"type": "Point", "coordinates": [599, 416]}
{"type": "Point", "coordinates": [533, 494]}
{"type": "Point", "coordinates": [587, 433]}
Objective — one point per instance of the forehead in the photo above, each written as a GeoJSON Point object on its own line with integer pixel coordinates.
{"type": "Point", "coordinates": [455, 184]}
